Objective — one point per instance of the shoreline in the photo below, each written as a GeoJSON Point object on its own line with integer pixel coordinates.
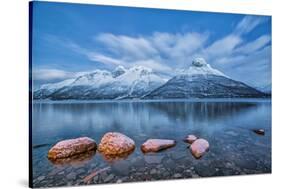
{"type": "Point", "coordinates": [234, 100]}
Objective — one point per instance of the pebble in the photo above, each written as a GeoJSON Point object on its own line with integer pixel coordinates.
{"type": "Point", "coordinates": [177, 175]}
{"type": "Point", "coordinates": [41, 178]}
{"type": "Point", "coordinates": [153, 171]}
{"type": "Point", "coordinates": [121, 168]}
{"type": "Point", "coordinates": [71, 176]}
{"type": "Point", "coordinates": [153, 159]}
{"type": "Point", "coordinates": [109, 178]}
{"type": "Point", "coordinates": [79, 171]}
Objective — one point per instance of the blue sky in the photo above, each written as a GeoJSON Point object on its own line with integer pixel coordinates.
{"type": "Point", "coordinates": [72, 39]}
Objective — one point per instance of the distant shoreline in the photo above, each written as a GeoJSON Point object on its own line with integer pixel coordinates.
{"type": "Point", "coordinates": [153, 100]}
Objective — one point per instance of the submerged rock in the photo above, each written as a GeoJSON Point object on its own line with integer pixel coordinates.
{"type": "Point", "coordinates": [153, 159]}
{"type": "Point", "coordinates": [199, 148]}
{"type": "Point", "coordinates": [121, 167]}
{"type": "Point", "coordinates": [155, 145]}
{"type": "Point", "coordinates": [88, 178]}
{"type": "Point", "coordinates": [259, 131]}
{"type": "Point", "coordinates": [190, 139]}
{"type": "Point", "coordinates": [71, 147]}
{"type": "Point", "coordinates": [116, 144]}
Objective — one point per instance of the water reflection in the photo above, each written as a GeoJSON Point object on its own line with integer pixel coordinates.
{"type": "Point", "coordinates": [75, 160]}
{"type": "Point", "coordinates": [116, 158]}
{"type": "Point", "coordinates": [234, 147]}
{"type": "Point", "coordinates": [74, 120]}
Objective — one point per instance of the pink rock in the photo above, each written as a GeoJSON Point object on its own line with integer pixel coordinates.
{"type": "Point", "coordinates": [155, 145]}
{"type": "Point", "coordinates": [199, 148]}
{"type": "Point", "coordinates": [71, 147]}
{"type": "Point", "coordinates": [190, 139]}
{"type": "Point", "coordinates": [114, 143]}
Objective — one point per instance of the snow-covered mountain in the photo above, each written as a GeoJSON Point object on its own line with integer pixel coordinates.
{"type": "Point", "coordinates": [200, 80]}
{"type": "Point", "coordinates": [200, 67]}
{"type": "Point", "coordinates": [47, 89]}
{"type": "Point", "coordinates": [134, 82]}
{"type": "Point", "coordinates": [266, 89]}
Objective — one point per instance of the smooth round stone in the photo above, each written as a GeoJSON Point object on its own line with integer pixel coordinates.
{"type": "Point", "coordinates": [199, 148]}
{"type": "Point", "coordinates": [71, 147]}
{"type": "Point", "coordinates": [155, 145]}
{"type": "Point", "coordinates": [114, 143]}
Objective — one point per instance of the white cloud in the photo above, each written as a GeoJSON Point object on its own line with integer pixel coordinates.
{"type": "Point", "coordinates": [104, 59]}
{"type": "Point", "coordinates": [133, 47]}
{"type": "Point", "coordinates": [176, 45]}
{"type": "Point", "coordinates": [50, 74]}
{"type": "Point", "coordinates": [254, 68]}
{"type": "Point", "coordinates": [248, 23]}
{"type": "Point", "coordinates": [223, 46]}
{"type": "Point", "coordinates": [165, 52]}
{"type": "Point", "coordinates": [160, 49]}
{"type": "Point", "coordinates": [254, 45]}
{"type": "Point", "coordinates": [46, 74]}
{"type": "Point", "coordinates": [154, 65]}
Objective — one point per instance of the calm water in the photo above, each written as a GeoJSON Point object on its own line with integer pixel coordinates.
{"type": "Point", "coordinates": [234, 148]}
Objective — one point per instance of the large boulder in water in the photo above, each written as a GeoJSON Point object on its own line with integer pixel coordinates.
{"type": "Point", "coordinates": [71, 147]}
{"type": "Point", "coordinates": [199, 147]}
{"type": "Point", "coordinates": [155, 145]}
{"type": "Point", "coordinates": [116, 144]}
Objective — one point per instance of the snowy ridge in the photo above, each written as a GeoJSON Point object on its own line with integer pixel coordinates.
{"type": "Point", "coordinates": [120, 83]}
{"type": "Point", "coordinates": [55, 86]}
{"type": "Point", "coordinates": [94, 79]}
{"type": "Point", "coordinates": [200, 67]}
{"type": "Point", "coordinates": [200, 80]}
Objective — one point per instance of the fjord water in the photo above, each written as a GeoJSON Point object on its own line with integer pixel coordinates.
{"type": "Point", "coordinates": [234, 148]}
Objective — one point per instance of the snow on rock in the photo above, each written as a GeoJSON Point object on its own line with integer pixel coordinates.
{"type": "Point", "coordinates": [114, 143]}
{"type": "Point", "coordinates": [135, 82]}
{"type": "Point", "coordinates": [200, 80]}
{"type": "Point", "coordinates": [71, 147]}
{"type": "Point", "coordinates": [199, 62]}
{"type": "Point", "coordinates": [94, 79]}
{"type": "Point", "coordinates": [119, 70]}
{"type": "Point", "coordinates": [120, 83]}
{"type": "Point", "coordinates": [55, 86]}
{"type": "Point", "coordinates": [200, 67]}
{"type": "Point", "coordinates": [155, 145]}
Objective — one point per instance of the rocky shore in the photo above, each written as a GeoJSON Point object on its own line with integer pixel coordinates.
{"type": "Point", "coordinates": [155, 159]}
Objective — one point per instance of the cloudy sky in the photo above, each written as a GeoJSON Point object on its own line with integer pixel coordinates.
{"type": "Point", "coordinates": [72, 39]}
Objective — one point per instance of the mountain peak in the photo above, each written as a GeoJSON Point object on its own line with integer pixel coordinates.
{"type": "Point", "coordinates": [200, 67]}
{"type": "Point", "coordinates": [119, 70]}
{"type": "Point", "coordinates": [199, 62]}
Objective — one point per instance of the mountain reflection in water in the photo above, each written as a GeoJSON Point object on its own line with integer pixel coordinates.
{"type": "Point", "coordinates": [227, 125]}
